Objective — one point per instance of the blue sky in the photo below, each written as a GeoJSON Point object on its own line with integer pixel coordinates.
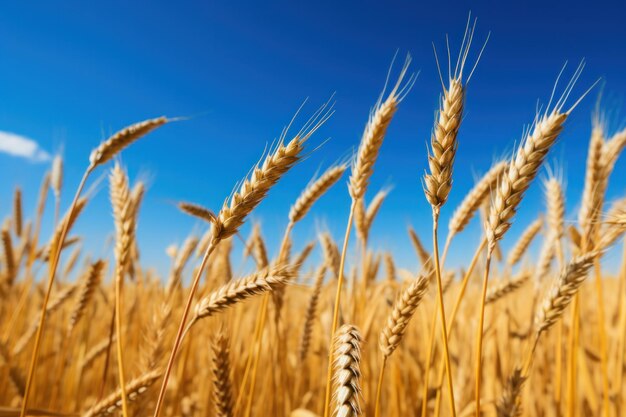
{"type": "Point", "coordinates": [74, 72]}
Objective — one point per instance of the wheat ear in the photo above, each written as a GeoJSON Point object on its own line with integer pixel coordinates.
{"type": "Point", "coordinates": [509, 404]}
{"type": "Point", "coordinates": [507, 288]}
{"type": "Point", "coordinates": [524, 241]}
{"type": "Point", "coordinates": [314, 191]}
{"type": "Point", "coordinates": [17, 212]}
{"type": "Point", "coordinates": [237, 291]}
{"type": "Point", "coordinates": [134, 389]}
{"type": "Point", "coordinates": [311, 313]}
{"type": "Point", "coordinates": [555, 202]}
{"type": "Point", "coordinates": [9, 257]}
{"type": "Point", "coordinates": [374, 134]}
{"type": "Point", "coordinates": [88, 287]}
{"type": "Point", "coordinates": [56, 183]}
{"type": "Point", "coordinates": [347, 371]}
{"type": "Point", "coordinates": [120, 140]}
{"type": "Point", "coordinates": [472, 201]}
{"type": "Point", "coordinates": [401, 314]}
{"type": "Point", "coordinates": [220, 368]}
{"type": "Point", "coordinates": [197, 210]}
{"type": "Point", "coordinates": [421, 251]}
{"type": "Point", "coordinates": [563, 290]}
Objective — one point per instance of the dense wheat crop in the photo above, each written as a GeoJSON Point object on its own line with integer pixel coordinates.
{"type": "Point", "coordinates": [309, 331]}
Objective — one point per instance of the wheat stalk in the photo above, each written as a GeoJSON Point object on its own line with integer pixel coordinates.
{"type": "Point", "coordinates": [124, 236]}
{"type": "Point", "coordinates": [513, 184]}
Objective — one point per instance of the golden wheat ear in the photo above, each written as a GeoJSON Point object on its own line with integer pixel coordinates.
{"type": "Point", "coordinates": [444, 141]}
{"type": "Point", "coordinates": [347, 371]}
{"type": "Point", "coordinates": [529, 157]}
{"type": "Point", "coordinates": [196, 210]}
{"type": "Point", "coordinates": [376, 129]}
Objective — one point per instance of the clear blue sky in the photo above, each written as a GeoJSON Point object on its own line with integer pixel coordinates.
{"type": "Point", "coordinates": [74, 72]}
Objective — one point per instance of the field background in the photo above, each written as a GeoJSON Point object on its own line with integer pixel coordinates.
{"type": "Point", "coordinates": [229, 78]}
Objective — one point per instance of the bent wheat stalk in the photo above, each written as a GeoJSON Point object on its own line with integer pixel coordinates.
{"type": "Point", "coordinates": [235, 211]}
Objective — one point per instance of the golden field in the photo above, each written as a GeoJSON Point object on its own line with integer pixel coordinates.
{"type": "Point", "coordinates": [314, 335]}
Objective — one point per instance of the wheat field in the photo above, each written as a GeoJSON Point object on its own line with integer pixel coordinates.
{"type": "Point", "coordinates": [307, 333]}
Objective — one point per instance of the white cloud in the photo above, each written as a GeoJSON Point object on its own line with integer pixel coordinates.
{"type": "Point", "coordinates": [23, 147]}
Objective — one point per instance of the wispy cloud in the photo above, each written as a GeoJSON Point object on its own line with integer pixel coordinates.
{"type": "Point", "coordinates": [22, 147]}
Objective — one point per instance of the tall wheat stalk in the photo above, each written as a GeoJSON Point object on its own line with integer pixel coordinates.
{"type": "Point", "coordinates": [362, 170]}
{"type": "Point", "coordinates": [520, 173]}
{"type": "Point", "coordinates": [438, 181]}
{"type": "Point", "coordinates": [99, 156]}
